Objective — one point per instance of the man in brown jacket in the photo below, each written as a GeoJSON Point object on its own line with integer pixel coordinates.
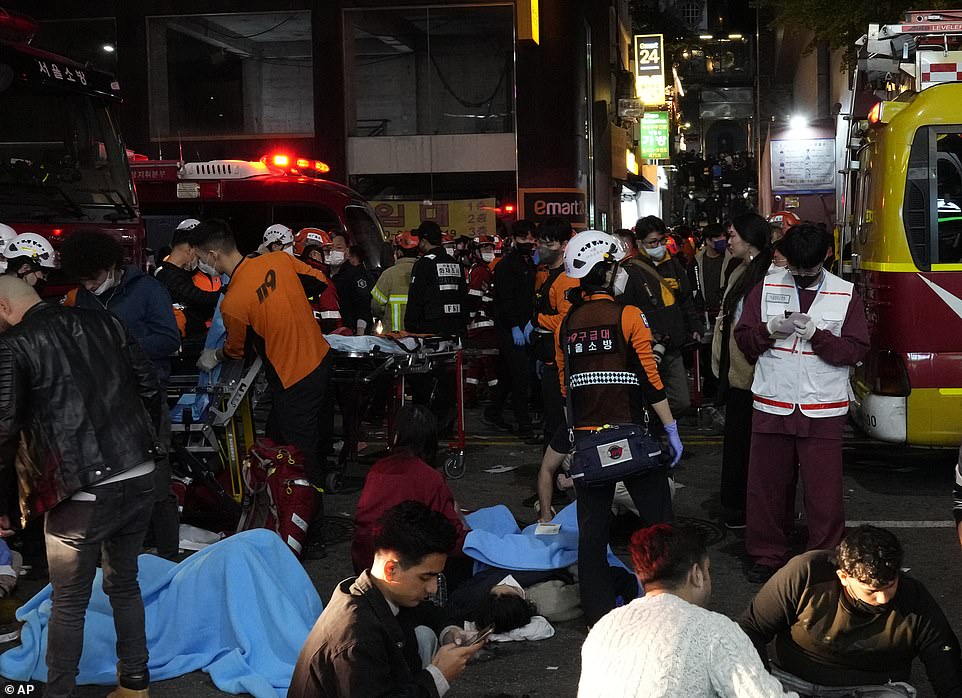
{"type": "Point", "coordinates": [367, 641]}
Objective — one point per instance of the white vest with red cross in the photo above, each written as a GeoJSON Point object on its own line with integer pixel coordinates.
{"type": "Point", "coordinates": [790, 374]}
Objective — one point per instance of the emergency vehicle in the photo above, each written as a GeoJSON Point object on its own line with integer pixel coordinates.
{"type": "Point", "coordinates": [250, 196]}
{"type": "Point", "coordinates": [63, 164]}
{"type": "Point", "coordinates": [902, 205]}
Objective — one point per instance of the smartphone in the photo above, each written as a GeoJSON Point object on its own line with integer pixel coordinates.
{"type": "Point", "coordinates": [481, 636]}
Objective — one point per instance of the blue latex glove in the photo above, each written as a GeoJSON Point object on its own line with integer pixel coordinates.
{"type": "Point", "coordinates": [528, 329]}
{"type": "Point", "coordinates": [674, 443]}
{"type": "Point", "coordinates": [517, 334]}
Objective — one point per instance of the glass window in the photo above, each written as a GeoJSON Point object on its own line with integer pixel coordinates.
{"type": "Point", "coordinates": [932, 212]}
{"type": "Point", "coordinates": [366, 232]}
{"type": "Point", "coordinates": [233, 74]}
{"type": "Point", "coordinates": [949, 190]}
{"type": "Point", "coordinates": [427, 71]}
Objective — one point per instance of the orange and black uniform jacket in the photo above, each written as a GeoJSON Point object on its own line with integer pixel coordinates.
{"type": "Point", "coordinates": [637, 335]}
{"type": "Point", "coordinates": [266, 297]}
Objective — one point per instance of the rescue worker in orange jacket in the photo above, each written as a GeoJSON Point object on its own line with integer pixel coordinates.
{"type": "Point", "coordinates": [613, 380]}
{"type": "Point", "coordinates": [551, 304]}
{"type": "Point", "coordinates": [265, 305]}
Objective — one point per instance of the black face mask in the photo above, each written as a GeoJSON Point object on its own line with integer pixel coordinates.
{"type": "Point", "coordinates": [525, 248]}
{"type": "Point", "coordinates": [806, 280]}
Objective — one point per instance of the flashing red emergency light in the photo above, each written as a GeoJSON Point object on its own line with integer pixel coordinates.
{"type": "Point", "coordinates": [56, 232]}
{"type": "Point", "coordinates": [296, 166]}
{"type": "Point", "coordinates": [509, 208]}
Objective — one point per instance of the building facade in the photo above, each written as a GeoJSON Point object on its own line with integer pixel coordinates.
{"type": "Point", "coordinates": [410, 102]}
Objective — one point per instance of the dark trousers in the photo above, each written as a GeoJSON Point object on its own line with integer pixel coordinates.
{"type": "Point", "coordinates": [735, 451]}
{"type": "Point", "coordinates": [165, 518]}
{"type": "Point", "coordinates": [553, 404]}
{"type": "Point", "coordinates": [771, 493]}
{"type": "Point", "coordinates": [436, 391]}
{"type": "Point", "coordinates": [295, 419]}
{"type": "Point", "coordinates": [512, 380]}
{"type": "Point", "coordinates": [77, 534]}
{"type": "Point", "coordinates": [651, 494]}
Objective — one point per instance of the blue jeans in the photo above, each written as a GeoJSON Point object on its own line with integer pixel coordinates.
{"type": "Point", "coordinates": [77, 534]}
{"type": "Point", "coordinates": [806, 689]}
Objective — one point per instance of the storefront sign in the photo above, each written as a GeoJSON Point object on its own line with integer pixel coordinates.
{"type": "Point", "coordinates": [655, 136]}
{"type": "Point", "coordinates": [650, 69]}
{"type": "Point", "coordinates": [803, 166]}
{"type": "Point", "coordinates": [528, 21]}
{"type": "Point", "coordinates": [539, 204]}
{"type": "Point", "coordinates": [469, 217]}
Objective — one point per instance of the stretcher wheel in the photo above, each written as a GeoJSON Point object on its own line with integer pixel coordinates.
{"type": "Point", "coordinates": [454, 465]}
{"type": "Point", "coordinates": [332, 483]}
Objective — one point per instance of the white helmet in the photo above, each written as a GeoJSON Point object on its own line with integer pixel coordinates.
{"type": "Point", "coordinates": [589, 247]}
{"type": "Point", "coordinates": [37, 247]}
{"type": "Point", "coordinates": [6, 235]}
{"type": "Point", "coordinates": [188, 224]}
{"type": "Point", "coordinates": [278, 233]}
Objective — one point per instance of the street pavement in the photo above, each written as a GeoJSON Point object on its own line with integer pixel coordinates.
{"type": "Point", "coordinates": [909, 490]}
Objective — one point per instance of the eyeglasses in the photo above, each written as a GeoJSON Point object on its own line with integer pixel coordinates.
{"type": "Point", "coordinates": [805, 272]}
{"type": "Point", "coordinates": [652, 243]}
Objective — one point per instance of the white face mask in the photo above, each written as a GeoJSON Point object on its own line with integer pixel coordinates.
{"type": "Point", "coordinates": [620, 282]}
{"type": "Point", "coordinates": [487, 256]}
{"type": "Point", "coordinates": [206, 268]}
{"type": "Point", "coordinates": [108, 283]}
{"type": "Point", "coordinates": [335, 258]}
{"type": "Point", "coordinates": [191, 265]}
{"type": "Point", "coordinates": [289, 250]}
{"type": "Point", "coordinates": [656, 253]}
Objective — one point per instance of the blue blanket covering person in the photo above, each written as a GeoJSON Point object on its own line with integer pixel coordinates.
{"type": "Point", "coordinates": [495, 540]}
{"type": "Point", "coordinates": [240, 610]}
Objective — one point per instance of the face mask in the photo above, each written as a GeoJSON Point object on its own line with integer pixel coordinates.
{"type": "Point", "coordinates": [450, 250]}
{"type": "Point", "coordinates": [620, 282]}
{"type": "Point", "coordinates": [289, 250]}
{"type": "Point", "coordinates": [525, 248]}
{"type": "Point", "coordinates": [206, 268]}
{"type": "Point", "coordinates": [108, 283]}
{"type": "Point", "coordinates": [335, 258]}
{"type": "Point", "coordinates": [656, 253]}
{"type": "Point", "coordinates": [548, 255]}
{"type": "Point", "coordinates": [487, 256]}
{"type": "Point", "coordinates": [191, 265]}
{"type": "Point", "coordinates": [807, 280]}
{"type": "Point", "coordinates": [720, 245]}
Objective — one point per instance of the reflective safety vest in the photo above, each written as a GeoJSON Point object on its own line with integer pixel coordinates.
{"type": "Point", "coordinates": [791, 374]}
{"type": "Point", "coordinates": [391, 293]}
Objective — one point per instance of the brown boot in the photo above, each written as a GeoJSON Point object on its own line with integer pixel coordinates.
{"type": "Point", "coordinates": [121, 692]}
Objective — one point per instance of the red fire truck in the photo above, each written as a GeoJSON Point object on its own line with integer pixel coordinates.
{"type": "Point", "coordinates": [63, 164]}
{"type": "Point", "coordinates": [250, 196]}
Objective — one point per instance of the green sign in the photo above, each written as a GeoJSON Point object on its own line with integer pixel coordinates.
{"type": "Point", "coordinates": [655, 133]}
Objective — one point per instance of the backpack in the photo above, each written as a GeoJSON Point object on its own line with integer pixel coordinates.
{"type": "Point", "coordinates": [278, 496]}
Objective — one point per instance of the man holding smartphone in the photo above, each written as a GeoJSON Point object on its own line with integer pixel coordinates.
{"type": "Point", "coordinates": [370, 640]}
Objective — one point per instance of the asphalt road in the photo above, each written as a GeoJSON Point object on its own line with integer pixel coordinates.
{"type": "Point", "coordinates": [907, 490]}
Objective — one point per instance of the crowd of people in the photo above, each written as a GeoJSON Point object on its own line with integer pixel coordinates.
{"type": "Point", "coordinates": [589, 338]}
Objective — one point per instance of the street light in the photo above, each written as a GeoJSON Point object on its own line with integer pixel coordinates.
{"type": "Point", "coordinates": [798, 121]}
{"type": "Point", "coordinates": [108, 48]}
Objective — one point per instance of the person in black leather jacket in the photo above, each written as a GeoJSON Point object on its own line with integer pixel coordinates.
{"type": "Point", "coordinates": [79, 407]}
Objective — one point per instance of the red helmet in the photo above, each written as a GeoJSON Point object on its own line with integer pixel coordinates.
{"type": "Point", "coordinates": [405, 240]}
{"type": "Point", "coordinates": [485, 240]}
{"type": "Point", "coordinates": [446, 238]}
{"type": "Point", "coordinates": [784, 219]}
{"type": "Point", "coordinates": [307, 237]}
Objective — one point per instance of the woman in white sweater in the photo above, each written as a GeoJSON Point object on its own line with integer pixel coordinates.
{"type": "Point", "coordinates": [665, 644]}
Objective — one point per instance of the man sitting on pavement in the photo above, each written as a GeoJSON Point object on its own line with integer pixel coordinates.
{"type": "Point", "coordinates": [853, 620]}
{"type": "Point", "coordinates": [666, 643]}
{"type": "Point", "coordinates": [365, 643]}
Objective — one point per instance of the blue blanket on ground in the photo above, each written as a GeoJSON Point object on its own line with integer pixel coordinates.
{"type": "Point", "coordinates": [496, 540]}
{"type": "Point", "coordinates": [240, 610]}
